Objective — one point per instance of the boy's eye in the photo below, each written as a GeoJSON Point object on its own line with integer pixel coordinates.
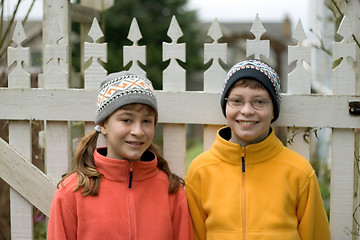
{"type": "Point", "coordinates": [236, 101]}
{"type": "Point", "coordinates": [259, 101]}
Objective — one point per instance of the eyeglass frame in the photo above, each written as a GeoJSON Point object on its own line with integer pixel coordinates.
{"type": "Point", "coordinates": [243, 101]}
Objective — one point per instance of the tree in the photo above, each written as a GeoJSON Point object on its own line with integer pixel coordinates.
{"type": "Point", "coordinates": [153, 17]}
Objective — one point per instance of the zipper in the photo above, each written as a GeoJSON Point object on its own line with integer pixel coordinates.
{"type": "Point", "coordinates": [132, 214]}
{"type": "Point", "coordinates": [243, 192]}
{"type": "Point", "coordinates": [130, 175]}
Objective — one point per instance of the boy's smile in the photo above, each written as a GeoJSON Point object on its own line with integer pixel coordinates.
{"type": "Point", "coordinates": [249, 125]}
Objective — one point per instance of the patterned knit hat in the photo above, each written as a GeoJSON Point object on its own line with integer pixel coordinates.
{"type": "Point", "coordinates": [120, 89]}
{"type": "Point", "coordinates": [259, 71]}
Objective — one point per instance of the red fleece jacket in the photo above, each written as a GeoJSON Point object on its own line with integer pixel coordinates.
{"type": "Point", "coordinates": [144, 211]}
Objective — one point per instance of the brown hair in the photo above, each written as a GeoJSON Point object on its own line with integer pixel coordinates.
{"type": "Point", "coordinates": [248, 82]}
{"type": "Point", "coordinates": [89, 177]}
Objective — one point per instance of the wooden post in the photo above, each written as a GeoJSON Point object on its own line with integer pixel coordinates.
{"type": "Point", "coordinates": [56, 34]}
{"type": "Point", "coordinates": [95, 73]}
{"type": "Point", "coordinates": [342, 146]}
{"type": "Point", "coordinates": [299, 82]}
{"type": "Point", "coordinates": [215, 75]}
{"type": "Point", "coordinates": [174, 79]}
{"type": "Point", "coordinates": [20, 136]}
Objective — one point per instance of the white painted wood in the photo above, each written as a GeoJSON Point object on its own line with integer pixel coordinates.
{"type": "Point", "coordinates": [174, 80]}
{"type": "Point", "coordinates": [299, 82]}
{"type": "Point", "coordinates": [174, 76]}
{"type": "Point", "coordinates": [256, 46]}
{"type": "Point", "coordinates": [299, 79]}
{"type": "Point", "coordinates": [214, 76]}
{"type": "Point", "coordinates": [57, 152]}
{"type": "Point", "coordinates": [56, 35]}
{"type": "Point", "coordinates": [21, 211]}
{"type": "Point", "coordinates": [96, 52]}
{"type": "Point", "coordinates": [135, 53]}
{"type": "Point", "coordinates": [342, 176]}
{"type": "Point", "coordinates": [18, 56]}
{"type": "Point", "coordinates": [174, 146]}
{"type": "Point", "coordinates": [344, 79]}
{"type": "Point", "coordinates": [20, 136]}
{"type": "Point", "coordinates": [201, 108]}
{"type": "Point", "coordinates": [26, 178]}
{"type": "Point", "coordinates": [210, 132]}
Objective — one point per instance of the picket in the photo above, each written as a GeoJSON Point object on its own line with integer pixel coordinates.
{"type": "Point", "coordinates": [343, 142]}
{"type": "Point", "coordinates": [20, 136]}
{"type": "Point", "coordinates": [174, 80]}
{"type": "Point", "coordinates": [214, 76]}
{"type": "Point", "coordinates": [56, 104]}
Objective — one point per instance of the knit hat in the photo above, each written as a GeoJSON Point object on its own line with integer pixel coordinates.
{"type": "Point", "coordinates": [259, 71]}
{"type": "Point", "coordinates": [123, 88]}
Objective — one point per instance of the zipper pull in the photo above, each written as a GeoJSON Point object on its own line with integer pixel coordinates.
{"type": "Point", "coordinates": [130, 175]}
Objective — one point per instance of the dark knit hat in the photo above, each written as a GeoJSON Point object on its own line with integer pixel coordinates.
{"type": "Point", "coordinates": [123, 88]}
{"type": "Point", "coordinates": [259, 71]}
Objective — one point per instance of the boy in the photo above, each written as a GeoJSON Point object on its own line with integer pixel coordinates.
{"type": "Point", "coordinates": [248, 185]}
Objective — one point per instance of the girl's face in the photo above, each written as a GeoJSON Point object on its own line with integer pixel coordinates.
{"type": "Point", "coordinates": [129, 132]}
{"type": "Point", "coordinates": [249, 125]}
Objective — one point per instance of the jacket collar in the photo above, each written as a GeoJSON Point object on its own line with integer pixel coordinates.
{"type": "Point", "coordinates": [253, 153]}
{"type": "Point", "coordinates": [118, 170]}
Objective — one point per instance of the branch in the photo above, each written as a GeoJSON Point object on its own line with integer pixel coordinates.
{"type": "Point", "coordinates": [10, 23]}
{"type": "Point", "coordinates": [28, 12]}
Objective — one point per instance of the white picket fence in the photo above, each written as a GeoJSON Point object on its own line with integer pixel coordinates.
{"type": "Point", "coordinates": [56, 104]}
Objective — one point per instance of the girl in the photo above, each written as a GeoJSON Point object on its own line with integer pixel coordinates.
{"type": "Point", "coordinates": [126, 190]}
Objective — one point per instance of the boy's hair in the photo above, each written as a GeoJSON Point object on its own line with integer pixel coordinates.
{"type": "Point", "coordinates": [89, 177]}
{"type": "Point", "coordinates": [259, 71]}
{"type": "Point", "coordinates": [251, 83]}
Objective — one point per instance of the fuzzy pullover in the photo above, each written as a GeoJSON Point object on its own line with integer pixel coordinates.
{"type": "Point", "coordinates": [261, 191]}
{"type": "Point", "coordinates": [127, 207]}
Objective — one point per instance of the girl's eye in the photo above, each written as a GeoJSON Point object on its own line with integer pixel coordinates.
{"type": "Point", "coordinates": [125, 120]}
{"type": "Point", "coordinates": [148, 121]}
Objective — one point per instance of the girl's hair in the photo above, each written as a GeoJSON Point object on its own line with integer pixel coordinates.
{"type": "Point", "coordinates": [89, 177]}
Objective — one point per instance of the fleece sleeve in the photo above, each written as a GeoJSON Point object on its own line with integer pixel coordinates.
{"type": "Point", "coordinates": [62, 220]}
{"type": "Point", "coordinates": [313, 221]}
{"type": "Point", "coordinates": [181, 220]}
{"type": "Point", "coordinates": [197, 214]}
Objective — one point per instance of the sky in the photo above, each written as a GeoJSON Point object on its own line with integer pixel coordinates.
{"type": "Point", "coordinates": [224, 10]}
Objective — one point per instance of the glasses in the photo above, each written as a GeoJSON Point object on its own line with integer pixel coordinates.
{"type": "Point", "coordinates": [256, 103]}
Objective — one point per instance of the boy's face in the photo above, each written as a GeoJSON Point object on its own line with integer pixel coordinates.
{"type": "Point", "coordinates": [249, 125]}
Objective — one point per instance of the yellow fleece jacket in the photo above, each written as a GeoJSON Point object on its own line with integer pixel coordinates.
{"type": "Point", "coordinates": [261, 191]}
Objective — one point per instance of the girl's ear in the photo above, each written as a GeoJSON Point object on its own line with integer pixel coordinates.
{"type": "Point", "coordinates": [103, 128]}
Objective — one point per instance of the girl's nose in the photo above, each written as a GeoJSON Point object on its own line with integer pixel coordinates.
{"type": "Point", "coordinates": [137, 130]}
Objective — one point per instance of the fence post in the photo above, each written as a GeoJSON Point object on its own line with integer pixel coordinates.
{"type": "Point", "coordinates": [174, 79]}
{"type": "Point", "coordinates": [56, 67]}
{"type": "Point", "coordinates": [342, 153]}
{"type": "Point", "coordinates": [299, 82]}
{"type": "Point", "coordinates": [20, 136]}
{"type": "Point", "coordinates": [214, 76]}
{"type": "Point", "coordinates": [95, 73]}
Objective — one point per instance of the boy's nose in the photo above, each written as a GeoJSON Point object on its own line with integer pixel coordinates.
{"type": "Point", "coordinates": [247, 108]}
{"type": "Point", "coordinates": [137, 129]}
